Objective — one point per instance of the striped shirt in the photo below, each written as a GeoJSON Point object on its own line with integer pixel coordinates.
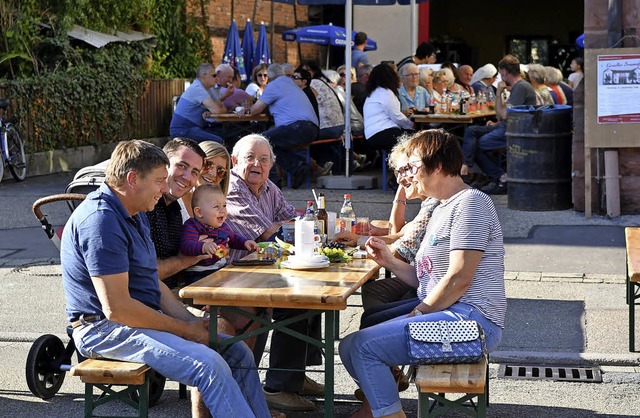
{"type": "Point", "coordinates": [190, 243]}
{"type": "Point", "coordinates": [467, 221]}
{"type": "Point", "coordinates": [250, 215]}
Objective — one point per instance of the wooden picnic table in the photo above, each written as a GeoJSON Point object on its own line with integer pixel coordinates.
{"type": "Point", "coordinates": [234, 118]}
{"type": "Point", "coordinates": [273, 286]}
{"type": "Point", "coordinates": [452, 118]}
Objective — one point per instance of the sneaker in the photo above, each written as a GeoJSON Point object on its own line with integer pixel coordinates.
{"type": "Point", "coordinates": [325, 169]}
{"type": "Point", "coordinates": [288, 401]}
{"type": "Point", "coordinates": [362, 158]}
{"type": "Point", "coordinates": [311, 388]}
{"type": "Point", "coordinates": [499, 187]}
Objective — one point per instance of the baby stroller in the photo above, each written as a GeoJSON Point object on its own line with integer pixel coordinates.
{"type": "Point", "coordinates": [49, 359]}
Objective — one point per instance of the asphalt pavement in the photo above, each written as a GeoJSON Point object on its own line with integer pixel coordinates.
{"type": "Point", "coordinates": [565, 287]}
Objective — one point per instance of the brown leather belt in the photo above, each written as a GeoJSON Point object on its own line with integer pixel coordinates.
{"type": "Point", "coordinates": [86, 319]}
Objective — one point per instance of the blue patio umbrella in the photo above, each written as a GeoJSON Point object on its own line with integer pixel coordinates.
{"type": "Point", "coordinates": [233, 52]}
{"type": "Point", "coordinates": [324, 35]}
{"type": "Point", "coordinates": [580, 41]}
{"type": "Point", "coordinates": [261, 54]}
{"type": "Point", "coordinates": [248, 47]}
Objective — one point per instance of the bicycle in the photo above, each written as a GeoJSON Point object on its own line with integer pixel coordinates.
{"type": "Point", "coordinates": [11, 146]}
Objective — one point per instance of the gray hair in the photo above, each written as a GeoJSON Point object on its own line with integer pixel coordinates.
{"type": "Point", "coordinates": [244, 142]}
{"type": "Point", "coordinates": [224, 67]}
{"type": "Point", "coordinates": [367, 68]}
{"type": "Point", "coordinates": [203, 68]}
{"type": "Point", "coordinates": [331, 75]}
{"type": "Point", "coordinates": [425, 73]}
{"type": "Point", "coordinates": [287, 65]}
{"type": "Point", "coordinates": [405, 68]}
{"type": "Point", "coordinates": [274, 71]}
{"type": "Point", "coordinates": [448, 75]}
{"type": "Point", "coordinates": [536, 73]}
{"type": "Point", "coordinates": [553, 75]}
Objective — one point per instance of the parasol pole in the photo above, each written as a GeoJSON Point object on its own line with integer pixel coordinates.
{"type": "Point", "coordinates": [414, 25]}
{"type": "Point", "coordinates": [348, 14]}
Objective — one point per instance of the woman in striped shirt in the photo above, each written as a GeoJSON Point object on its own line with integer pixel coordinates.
{"type": "Point", "coordinates": [459, 273]}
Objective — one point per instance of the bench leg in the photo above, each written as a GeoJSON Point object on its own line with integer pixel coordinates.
{"type": "Point", "coordinates": [631, 298]}
{"type": "Point", "coordinates": [88, 400]}
{"type": "Point", "coordinates": [384, 171]}
{"type": "Point", "coordinates": [109, 394]}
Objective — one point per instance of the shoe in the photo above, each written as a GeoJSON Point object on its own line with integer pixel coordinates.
{"type": "Point", "coordinates": [299, 177]}
{"type": "Point", "coordinates": [326, 169]}
{"type": "Point", "coordinates": [499, 187]}
{"type": "Point", "coordinates": [401, 378]}
{"type": "Point", "coordinates": [288, 401]}
{"type": "Point", "coordinates": [311, 388]}
{"type": "Point", "coordinates": [362, 158]}
{"type": "Point", "coordinates": [359, 394]}
{"type": "Point", "coordinates": [277, 414]}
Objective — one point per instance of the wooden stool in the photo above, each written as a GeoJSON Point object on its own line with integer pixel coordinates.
{"type": "Point", "coordinates": [104, 373]}
{"type": "Point", "coordinates": [435, 380]}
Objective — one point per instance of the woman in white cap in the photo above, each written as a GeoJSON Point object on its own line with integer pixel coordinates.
{"type": "Point", "coordinates": [483, 78]}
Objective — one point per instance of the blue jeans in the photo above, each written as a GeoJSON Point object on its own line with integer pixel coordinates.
{"type": "Point", "coordinates": [369, 353]}
{"type": "Point", "coordinates": [227, 390]}
{"type": "Point", "coordinates": [195, 133]}
{"type": "Point", "coordinates": [491, 141]}
{"type": "Point", "coordinates": [286, 138]}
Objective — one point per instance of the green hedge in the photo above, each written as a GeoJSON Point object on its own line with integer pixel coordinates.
{"type": "Point", "coordinates": [87, 103]}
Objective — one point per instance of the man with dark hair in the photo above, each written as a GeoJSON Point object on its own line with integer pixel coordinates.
{"type": "Point", "coordinates": [425, 54]}
{"type": "Point", "coordinates": [302, 78]}
{"type": "Point", "coordinates": [479, 141]}
{"type": "Point", "coordinates": [118, 308]}
{"type": "Point", "coordinates": [358, 56]}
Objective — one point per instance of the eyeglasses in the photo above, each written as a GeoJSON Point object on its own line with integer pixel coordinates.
{"type": "Point", "coordinates": [342, 74]}
{"type": "Point", "coordinates": [296, 77]}
{"type": "Point", "coordinates": [209, 166]}
{"type": "Point", "coordinates": [263, 75]}
{"type": "Point", "coordinates": [251, 159]}
{"type": "Point", "coordinates": [411, 169]}
{"type": "Point", "coordinates": [412, 75]}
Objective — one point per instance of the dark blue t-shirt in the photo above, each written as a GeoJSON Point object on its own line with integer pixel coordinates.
{"type": "Point", "coordinates": [101, 238]}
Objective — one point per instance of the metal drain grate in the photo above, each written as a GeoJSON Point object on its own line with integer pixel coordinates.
{"type": "Point", "coordinates": [557, 373]}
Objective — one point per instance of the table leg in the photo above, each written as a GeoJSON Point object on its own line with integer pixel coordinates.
{"type": "Point", "coordinates": [213, 327]}
{"type": "Point", "coordinates": [329, 332]}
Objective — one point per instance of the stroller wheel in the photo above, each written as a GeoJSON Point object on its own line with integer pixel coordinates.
{"type": "Point", "coordinates": [44, 376]}
{"type": "Point", "coordinates": [156, 387]}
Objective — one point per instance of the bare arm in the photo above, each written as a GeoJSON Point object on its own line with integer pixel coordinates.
{"type": "Point", "coordinates": [269, 232]}
{"type": "Point", "coordinates": [169, 266]}
{"type": "Point", "coordinates": [118, 306]}
{"type": "Point", "coordinates": [501, 109]}
{"type": "Point", "coordinates": [398, 210]}
{"type": "Point", "coordinates": [213, 106]}
{"type": "Point", "coordinates": [377, 249]}
{"type": "Point", "coordinates": [258, 107]}
{"type": "Point", "coordinates": [462, 267]}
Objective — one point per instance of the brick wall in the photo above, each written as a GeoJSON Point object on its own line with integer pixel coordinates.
{"type": "Point", "coordinates": [220, 14]}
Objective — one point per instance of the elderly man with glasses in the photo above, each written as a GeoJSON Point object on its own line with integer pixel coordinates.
{"type": "Point", "coordinates": [413, 97]}
{"type": "Point", "coordinates": [256, 209]}
{"type": "Point", "coordinates": [187, 120]}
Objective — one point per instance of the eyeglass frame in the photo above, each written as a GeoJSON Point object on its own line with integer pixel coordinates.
{"type": "Point", "coordinates": [209, 165]}
{"type": "Point", "coordinates": [251, 160]}
{"type": "Point", "coordinates": [410, 169]}
{"type": "Point", "coordinates": [297, 77]}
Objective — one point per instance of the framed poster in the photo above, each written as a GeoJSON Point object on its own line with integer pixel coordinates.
{"type": "Point", "coordinates": [612, 98]}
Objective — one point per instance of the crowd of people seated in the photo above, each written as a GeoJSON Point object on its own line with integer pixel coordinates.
{"type": "Point", "coordinates": [162, 214]}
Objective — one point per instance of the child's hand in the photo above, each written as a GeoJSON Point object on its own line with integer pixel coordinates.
{"type": "Point", "coordinates": [251, 245]}
{"type": "Point", "coordinates": [209, 248]}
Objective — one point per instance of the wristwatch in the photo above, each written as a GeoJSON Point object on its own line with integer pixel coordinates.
{"type": "Point", "coordinates": [417, 312]}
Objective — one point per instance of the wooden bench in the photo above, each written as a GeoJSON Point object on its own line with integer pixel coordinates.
{"type": "Point", "coordinates": [102, 374]}
{"type": "Point", "coordinates": [632, 243]}
{"type": "Point", "coordinates": [434, 381]}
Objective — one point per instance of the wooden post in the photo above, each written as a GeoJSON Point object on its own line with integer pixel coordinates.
{"type": "Point", "coordinates": [612, 182]}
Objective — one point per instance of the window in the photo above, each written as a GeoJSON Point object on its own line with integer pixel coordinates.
{"type": "Point", "coordinates": [529, 50]}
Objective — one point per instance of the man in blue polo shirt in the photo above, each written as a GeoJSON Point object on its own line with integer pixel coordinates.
{"type": "Point", "coordinates": [187, 120]}
{"type": "Point", "coordinates": [120, 310]}
{"type": "Point", "coordinates": [296, 124]}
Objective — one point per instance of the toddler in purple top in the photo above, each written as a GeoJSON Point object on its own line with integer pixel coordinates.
{"type": "Point", "coordinates": [208, 233]}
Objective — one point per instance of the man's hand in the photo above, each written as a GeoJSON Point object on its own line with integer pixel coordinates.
{"type": "Point", "coordinates": [197, 331]}
{"type": "Point", "coordinates": [228, 92]}
{"type": "Point", "coordinates": [502, 85]}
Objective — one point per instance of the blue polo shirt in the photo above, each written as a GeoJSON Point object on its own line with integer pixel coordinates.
{"type": "Point", "coordinates": [188, 113]}
{"type": "Point", "coordinates": [419, 101]}
{"type": "Point", "coordinates": [358, 58]}
{"type": "Point", "coordinates": [287, 102]}
{"type": "Point", "coordinates": [101, 238]}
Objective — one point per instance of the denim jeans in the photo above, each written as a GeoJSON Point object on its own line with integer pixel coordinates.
{"type": "Point", "coordinates": [491, 141]}
{"type": "Point", "coordinates": [369, 353]}
{"type": "Point", "coordinates": [227, 390]}
{"type": "Point", "coordinates": [286, 138]}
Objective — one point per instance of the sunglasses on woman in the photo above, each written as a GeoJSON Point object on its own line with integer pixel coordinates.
{"type": "Point", "coordinates": [210, 166]}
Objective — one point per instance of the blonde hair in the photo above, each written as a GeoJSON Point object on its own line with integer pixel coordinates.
{"type": "Point", "coordinates": [213, 149]}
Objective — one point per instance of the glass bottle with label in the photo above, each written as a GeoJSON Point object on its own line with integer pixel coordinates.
{"type": "Point", "coordinates": [322, 215]}
{"type": "Point", "coordinates": [347, 214]}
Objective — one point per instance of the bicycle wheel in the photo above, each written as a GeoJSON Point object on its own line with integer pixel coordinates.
{"type": "Point", "coordinates": [17, 160]}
